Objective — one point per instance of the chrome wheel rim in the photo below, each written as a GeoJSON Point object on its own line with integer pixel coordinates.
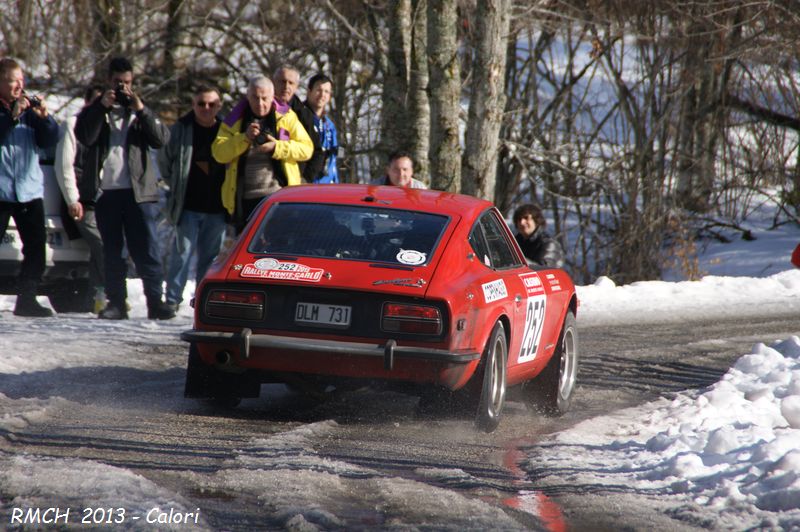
{"type": "Point", "coordinates": [568, 365]}
{"type": "Point", "coordinates": [498, 381]}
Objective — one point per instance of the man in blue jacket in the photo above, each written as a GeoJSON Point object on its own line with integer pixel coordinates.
{"type": "Point", "coordinates": [25, 126]}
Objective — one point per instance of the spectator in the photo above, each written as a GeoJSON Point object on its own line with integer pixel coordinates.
{"type": "Point", "coordinates": [537, 245]}
{"type": "Point", "coordinates": [118, 131]}
{"type": "Point", "coordinates": [25, 126]}
{"type": "Point", "coordinates": [320, 89]}
{"type": "Point", "coordinates": [400, 172]}
{"type": "Point", "coordinates": [80, 196]}
{"type": "Point", "coordinates": [194, 204]}
{"type": "Point", "coordinates": [260, 147]}
{"type": "Point", "coordinates": [287, 80]}
{"type": "Point", "coordinates": [796, 256]}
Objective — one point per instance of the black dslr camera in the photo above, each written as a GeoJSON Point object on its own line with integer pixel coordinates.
{"type": "Point", "coordinates": [121, 96]}
{"type": "Point", "coordinates": [261, 138]}
{"type": "Point", "coordinates": [35, 102]}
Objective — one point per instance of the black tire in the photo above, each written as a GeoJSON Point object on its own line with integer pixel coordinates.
{"type": "Point", "coordinates": [219, 388]}
{"type": "Point", "coordinates": [72, 296]}
{"type": "Point", "coordinates": [493, 387]}
{"type": "Point", "coordinates": [553, 390]}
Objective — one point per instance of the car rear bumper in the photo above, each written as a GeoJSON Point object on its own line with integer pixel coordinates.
{"type": "Point", "coordinates": [244, 340]}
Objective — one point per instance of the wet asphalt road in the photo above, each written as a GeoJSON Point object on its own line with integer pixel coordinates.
{"type": "Point", "coordinates": [138, 420]}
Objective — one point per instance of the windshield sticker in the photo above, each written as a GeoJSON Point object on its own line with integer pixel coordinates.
{"type": "Point", "coordinates": [533, 284]}
{"type": "Point", "coordinates": [286, 271]}
{"type": "Point", "coordinates": [411, 257]}
{"type": "Point", "coordinates": [494, 291]}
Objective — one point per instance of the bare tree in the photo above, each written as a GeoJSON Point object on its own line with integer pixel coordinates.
{"type": "Point", "coordinates": [419, 123]}
{"type": "Point", "coordinates": [445, 95]}
{"type": "Point", "coordinates": [487, 99]}
{"type": "Point", "coordinates": [396, 79]}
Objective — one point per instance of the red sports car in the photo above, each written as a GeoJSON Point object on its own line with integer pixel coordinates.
{"type": "Point", "coordinates": [389, 283]}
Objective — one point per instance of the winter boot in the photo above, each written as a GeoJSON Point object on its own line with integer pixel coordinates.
{"type": "Point", "coordinates": [114, 311]}
{"type": "Point", "coordinates": [99, 300]}
{"type": "Point", "coordinates": [159, 310]}
{"type": "Point", "coordinates": [26, 302]}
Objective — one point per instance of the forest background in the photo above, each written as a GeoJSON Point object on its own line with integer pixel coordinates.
{"type": "Point", "coordinates": [643, 128]}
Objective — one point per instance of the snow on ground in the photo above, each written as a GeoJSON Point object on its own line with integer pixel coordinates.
{"type": "Point", "coordinates": [731, 451]}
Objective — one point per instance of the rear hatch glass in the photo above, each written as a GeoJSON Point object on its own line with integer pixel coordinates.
{"type": "Point", "coordinates": [349, 232]}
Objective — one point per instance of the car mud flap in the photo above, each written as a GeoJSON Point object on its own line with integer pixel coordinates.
{"type": "Point", "coordinates": [244, 343]}
{"type": "Point", "coordinates": [388, 355]}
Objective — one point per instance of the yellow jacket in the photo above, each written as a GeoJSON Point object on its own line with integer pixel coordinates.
{"type": "Point", "coordinates": [231, 143]}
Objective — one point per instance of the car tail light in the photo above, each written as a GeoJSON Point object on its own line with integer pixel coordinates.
{"type": "Point", "coordinates": [236, 304]}
{"type": "Point", "coordinates": [414, 319]}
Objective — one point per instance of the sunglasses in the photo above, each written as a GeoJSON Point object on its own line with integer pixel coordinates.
{"type": "Point", "coordinates": [207, 104]}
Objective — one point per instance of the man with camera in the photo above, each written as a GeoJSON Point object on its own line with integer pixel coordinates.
{"type": "Point", "coordinates": [261, 146]}
{"type": "Point", "coordinates": [118, 131]}
{"type": "Point", "coordinates": [25, 126]}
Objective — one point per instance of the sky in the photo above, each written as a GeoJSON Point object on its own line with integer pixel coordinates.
{"type": "Point", "coordinates": [728, 454]}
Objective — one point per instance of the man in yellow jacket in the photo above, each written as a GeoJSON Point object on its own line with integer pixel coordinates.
{"type": "Point", "coordinates": [261, 143]}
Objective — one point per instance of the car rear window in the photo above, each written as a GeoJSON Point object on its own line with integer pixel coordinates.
{"type": "Point", "coordinates": [349, 232]}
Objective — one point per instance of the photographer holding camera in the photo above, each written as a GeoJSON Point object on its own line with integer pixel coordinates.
{"type": "Point", "coordinates": [25, 126]}
{"type": "Point", "coordinates": [261, 147]}
{"type": "Point", "coordinates": [118, 131]}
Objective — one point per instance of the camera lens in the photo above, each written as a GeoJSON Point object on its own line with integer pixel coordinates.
{"type": "Point", "coordinates": [35, 102]}
{"type": "Point", "coordinates": [121, 97]}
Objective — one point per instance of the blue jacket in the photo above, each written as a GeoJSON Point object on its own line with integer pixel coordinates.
{"type": "Point", "coordinates": [330, 146]}
{"type": "Point", "coordinates": [21, 178]}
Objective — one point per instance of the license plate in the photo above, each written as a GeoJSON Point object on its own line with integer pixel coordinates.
{"type": "Point", "coordinates": [323, 315]}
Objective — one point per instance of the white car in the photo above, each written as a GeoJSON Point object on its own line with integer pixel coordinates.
{"type": "Point", "coordinates": [66, 277]}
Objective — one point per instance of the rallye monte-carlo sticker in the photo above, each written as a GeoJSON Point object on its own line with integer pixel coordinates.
{"type": "Point", "coordinates": [287, 271]}
{"type": "Point", "coordinates": [534, 316]}
{"type": "Point", "coordinates": [494, 291]}
{"type": "Point", "coordinates": [411, 257]}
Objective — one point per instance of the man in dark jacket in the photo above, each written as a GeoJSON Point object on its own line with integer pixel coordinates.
{"type": "Point", "coordinates": [538, 247]}
{"type": "Point", "coordinates": [118, 131]}
{"type": "Point", "coordinates": [25, 126]}
{"type": "Point", "coordinates": [287, 80]}
{"type": "Point", "coordinates": [194, 204]}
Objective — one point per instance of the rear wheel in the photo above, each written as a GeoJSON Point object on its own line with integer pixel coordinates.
{"type": "Point", "coordinates": [72, 296]}
{"type": "Point", "coordinates": [553, 390]}
{"type": "Point", "coordinates": [493, 388]}
{"type": "Point", "coordinates": [218, 387]}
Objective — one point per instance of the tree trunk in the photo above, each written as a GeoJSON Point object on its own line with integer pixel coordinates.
{"type": "Point", "coordinates": [419, 107]}
{"type": "Point", "coordinates": [395, 101]}
{"type": "Point", "coordinates": [172, 41]}
{"type": "Point", "coordinates": [445, 93]}
{"type": "Point", "coordinates": [487, 101]}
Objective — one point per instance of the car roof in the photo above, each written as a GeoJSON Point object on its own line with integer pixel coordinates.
{"type": "Point", "coordinates": [414, 199]}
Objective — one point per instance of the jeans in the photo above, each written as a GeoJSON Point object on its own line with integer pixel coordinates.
{"type": "Point", "coordinates": [123, 221]}
{"type": "Point", "coordinates": [199, 232]}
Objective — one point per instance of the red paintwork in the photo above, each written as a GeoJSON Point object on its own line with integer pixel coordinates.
{"type": "Point", "coordinates": [453, 275]}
